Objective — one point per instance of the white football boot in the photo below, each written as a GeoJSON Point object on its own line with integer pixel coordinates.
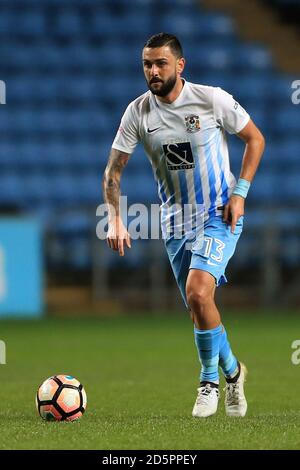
{"type": "Point", "coordinates": [235, 400]}
{"type": "Point", "coordinates": [206, 402]}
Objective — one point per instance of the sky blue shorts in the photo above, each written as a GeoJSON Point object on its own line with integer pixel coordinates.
{"type": "Point", "coordinates": [217, 249]}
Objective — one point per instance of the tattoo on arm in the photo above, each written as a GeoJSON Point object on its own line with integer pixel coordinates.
{"type": "Point", "coordinates": [112, 177]}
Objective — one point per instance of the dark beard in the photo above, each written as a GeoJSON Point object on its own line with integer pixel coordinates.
{"type": "Point", "coordinates": [166, 88]}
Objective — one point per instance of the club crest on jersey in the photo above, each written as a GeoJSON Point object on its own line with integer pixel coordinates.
{"type": "Point", "coordinates": [192, 122]}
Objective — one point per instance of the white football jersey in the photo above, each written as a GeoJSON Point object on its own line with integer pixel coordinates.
{"type": "Point", "coordinates": [186, 144]}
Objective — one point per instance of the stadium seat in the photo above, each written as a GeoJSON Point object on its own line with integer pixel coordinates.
{"type": "Point", "coordinates": [282, 155]}
{"type": "Point", "coordinates": [37, 190]}
{"type": "Point", "coordinates": [89, 188]}
{"type": "Point", "coordinates": [141, 188]}
{"type": "Point", "coordinates": [195, 25]}
{"type": "Point", "coordinates": [8, 155]}
{"type": "Point", "coordinates": [78, 252]}
{"type": "Point", "coordinates": [251, 57]}
{"type": "Point", "coordinates": [286, 120]}
{"type": "Point", "coordinates": [264, 189]}
{"type": "Point", "coordinates": [68, 23]}
{"type": "Point", "coordinates": [29, 23]}
{"type": "Point", "coordinates": [281, 88]}
{"type": "Point", "coordinates": [12, 188]}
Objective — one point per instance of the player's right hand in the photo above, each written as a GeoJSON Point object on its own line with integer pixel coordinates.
{"type": "Point", "coordinates": [117, 236]}
{"type": "Point", "coordinates": [233, 211]}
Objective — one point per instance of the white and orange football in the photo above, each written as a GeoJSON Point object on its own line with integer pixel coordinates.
{"type": "Point", "coordinates": [61, 398]}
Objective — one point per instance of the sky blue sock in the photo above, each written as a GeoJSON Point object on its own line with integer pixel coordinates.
{"type": "Point", "coordinates": [227, 360]}
{"type": "Point", "coordinates": [208, 342]}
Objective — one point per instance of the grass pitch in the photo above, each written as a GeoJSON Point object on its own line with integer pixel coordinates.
{"type": "Point", "coordinates": [141, 375]}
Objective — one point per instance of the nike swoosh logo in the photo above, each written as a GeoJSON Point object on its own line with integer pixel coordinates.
{"type": "Point", "coordinates": [152, 130]}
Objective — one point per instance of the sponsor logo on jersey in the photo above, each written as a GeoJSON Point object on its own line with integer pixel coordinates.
{"type": "Point", "coordinates": [179, 156]}
{"type": "Point", "coordinates": [192, 122]}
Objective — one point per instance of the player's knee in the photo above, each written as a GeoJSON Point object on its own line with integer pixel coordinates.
{"type": "Point", "coordinates": [198, 296]}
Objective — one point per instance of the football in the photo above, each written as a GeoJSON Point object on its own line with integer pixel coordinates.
{"type": "Point", "coordinates": [61, 398]}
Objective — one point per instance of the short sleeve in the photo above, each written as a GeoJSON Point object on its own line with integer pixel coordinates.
{"type": "Point", "coordinates": [228, 112]}
{"type": "Point", "coordinates": [127, 136]}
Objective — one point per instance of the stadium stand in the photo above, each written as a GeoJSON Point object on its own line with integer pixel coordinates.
{"type": "Point", "coordinates": [71, 69]}
{"type": "Point", "coordinates": [288, 10]}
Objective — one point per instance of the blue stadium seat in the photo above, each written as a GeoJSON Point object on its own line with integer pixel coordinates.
{"type": "Point", "coordinates": [81, 56]}
{"type": "Point", "coordinates": [229, 57]}
{"type": "Point", "coordinates": [8, 154]}
{"type": "Point", "coordinates": [251, 57]}
{"type": "Point", "coordinates": [79, 255]}
{"type": "Point", "coordinates": [271, 159]}
{"type": "Point", "coordinates": [12, 188]}
{"type": "Point", "coordinates": [281, 88]}
{"type": "Point", "coordinates": [286, 120]}
{"type": "Point", "coordinates": [89, 188]}
{"type": "Point", "coordinates": [139, 163]}
{"type": "Point", "coordinates": [135, 25]}
{"type": "Point", "coordinates": [58, 121]}
{"type": "Point", "coordinates": [209, 58]}
{"type": "Point", "coordinates": [264, 189]}
{"type": "Point", "coordinates": [48, 55]}
{"type": "Point", "coordinates": [84, 88]}
{"type": "Point", "coordinates": [87, 155]}
{"type": "Point", "coordinates": [63, 189]}
{"type": "Point", "coordinates": [15, 122]}
{"type": "Point", "coordinates": [116, 57]}
{"type": "Point", "coordinates": [176, 4]}
{"type": "Point", "coordinates": [13, 55]}
{"type": "Point", "coordinates": [29, 23]}
{"type": "Point", "coordinates": [75, 230]}
{"type": "Point", "coordinates": [290, 187]}
{"type": "Point", "coordinates": [33, 89]}
{"type": "Point", "coordinates": [195, 25]}
{"type": "Point", "coordinates": [251, 89]}
{"type": "Point", "coordinates": [37, 190]}
{"type": "Point", "coordinates": [75, 223]}
{"type": "Point", "coordinates": [128, 90]}
{"type": "Point", "coordinates": [259, 115]}
{"type": "Point", "coordinates": [104, 25]}
{"type": "Point", "coordinates": [288, 151]}
{"type": "Point", "coordinates": [142, 188]}
{"type": "Point", "coordinates": [30, 155]}
{"type": "Point", "coordinates": [53, 155]}
{"type": "Point", "coordinates": [282, 155]}
{"type": "Point", "coordinates": [137, 3]}
{"type": "Point", "coordinates": [68, 23]}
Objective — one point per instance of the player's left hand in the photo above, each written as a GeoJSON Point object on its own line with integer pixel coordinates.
{"type": "Point", "coordinates": [234, 210]}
